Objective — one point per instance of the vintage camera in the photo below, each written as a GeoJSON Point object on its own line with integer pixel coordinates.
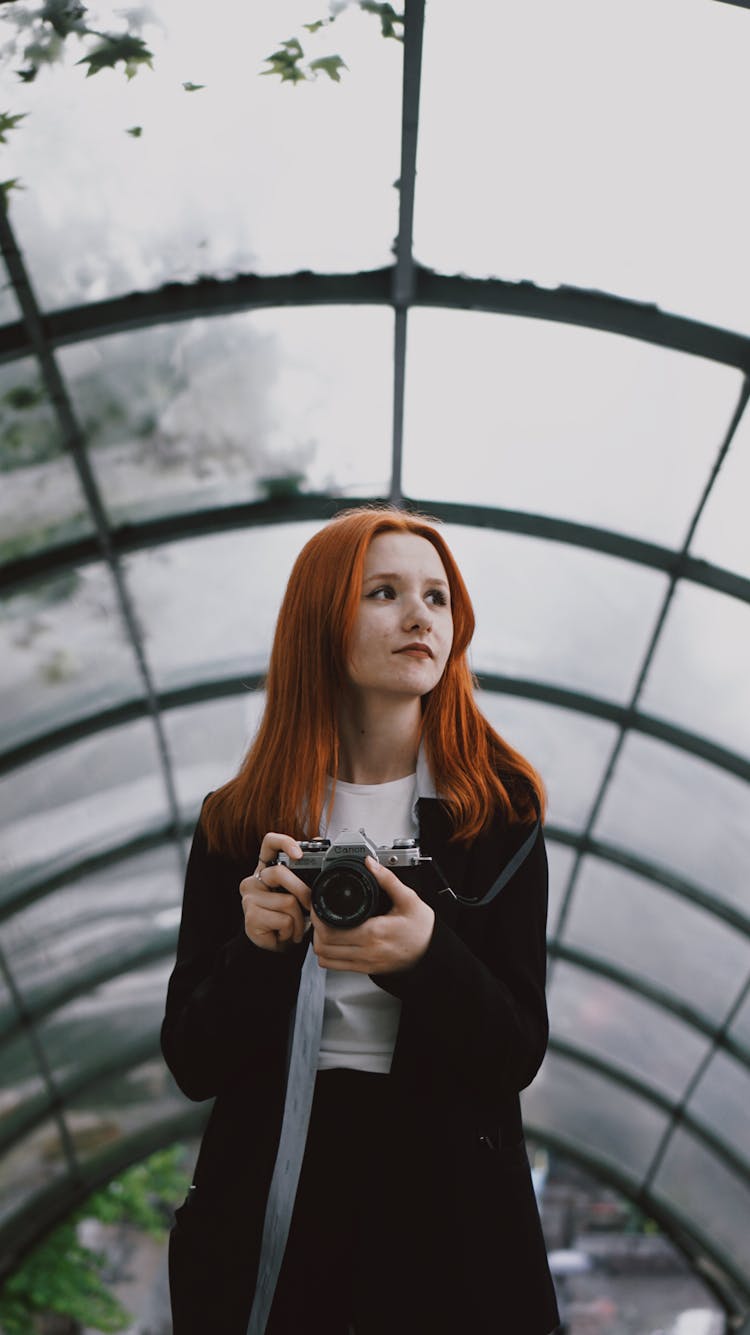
{"type": "Point", "coordinates": [344, 892]}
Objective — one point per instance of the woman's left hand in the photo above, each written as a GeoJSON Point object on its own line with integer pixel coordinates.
{"type": "Point", "coordinates": [384, 944]}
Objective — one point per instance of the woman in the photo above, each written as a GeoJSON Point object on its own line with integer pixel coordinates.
{"type": "Point", "coordinates": [414, 1210]}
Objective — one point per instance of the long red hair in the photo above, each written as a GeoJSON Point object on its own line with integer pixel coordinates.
{"type": "Point", "coordinates": [281, 784]}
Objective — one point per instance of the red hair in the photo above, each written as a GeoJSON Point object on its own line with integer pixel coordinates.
{"type": "Point", "coordinates": [281, 784]}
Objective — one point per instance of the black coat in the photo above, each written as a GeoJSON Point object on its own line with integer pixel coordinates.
{"type": "Point", "coordinates": [472, 1033]}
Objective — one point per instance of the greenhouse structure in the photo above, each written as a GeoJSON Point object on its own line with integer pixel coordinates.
{"type": "Point", "coordinates": [484, 261]}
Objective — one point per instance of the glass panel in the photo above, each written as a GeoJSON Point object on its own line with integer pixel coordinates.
{"type": "Point", "coordinates": [700, 674]}
{"type": "Point", "coordinates": [596, 1116]}
{"type": "Point", "coordinates": [8, 1012]}
{"type": "Point", "coordinates": [98, 924]}
{"type": "Point", "coordinates": [596, 208]}
{"type": "Point", "coordinates": [721, 535]}
{"type": "Point", "coordinates": [722, 1100]}
{"type": "Point", "coordinates": [561, 420]}
{"type": "Point", "coordinates": [689, 816]}
{"type": "Point", "coordinates": [64, 650]}
{"type": "Point", "coordinates": [75, 801]}
{"type": "Point", "coordinates": [659, 937]}
{"type": "Point", "coordinates": [709, 1194]}
{"type": "Point", "coordinates": [21, 1082]}
{"type": "Point", "coordinates": [601, 1017]}
{"type": "Point", "coordinates": [210, 605]}
{"type": "Point", "coordinates": [109, 1019]}
{"type": "Point", "coordinates": [557, 613]}
{"type": "Point", "coordinates": [30, 1166]}
{"type": "Point", "coordinates": [246, 173]}
{"type": "Point", "coordinates": [740, 1028]}
{"type": "Point", "coordinates": [569, 750]}
{"type": "Point", "coordinates": [207, 744]}
{"type": "Point", "coordinates": [41, 500]}
{"type": "Point", "coordinates": [560, 859]}
{"type": "Point", "coordinates": [121, 1106]}
{"type": "Point", "coordinates": [222, 410]}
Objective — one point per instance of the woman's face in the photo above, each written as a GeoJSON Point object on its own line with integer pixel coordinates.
{"type": "Point", "coordinates": [404, 628]}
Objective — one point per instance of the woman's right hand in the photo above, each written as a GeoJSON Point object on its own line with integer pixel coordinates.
{"type": "Point", "coordinates": [273, 920]}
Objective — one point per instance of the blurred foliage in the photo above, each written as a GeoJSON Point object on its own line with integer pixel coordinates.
{"type": "Point", "coordinates": [65, 1277]}
{"type": "Point", "coordinates": [121, 405]}
{"type": "Point", "coordinates": [41, 33]}
{"type": "Point", "coordinates": [289, 62]}
{"type": "Point", "coordinates": [43, 29]}
{"type": "Point", "coordinates": [28, 431]}
{"type": "Point", "coordinates": [132, 51]}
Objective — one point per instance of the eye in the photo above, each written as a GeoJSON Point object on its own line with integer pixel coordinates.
{"type": "Point", "coordinates": [383, 591]}
{"type": "Point", "coordinates": [438, 596]}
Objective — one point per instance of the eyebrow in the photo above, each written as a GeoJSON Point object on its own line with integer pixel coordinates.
{"type": "Point", "coordinates": [394, 575]}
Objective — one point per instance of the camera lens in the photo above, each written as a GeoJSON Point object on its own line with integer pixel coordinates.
{"type": "Point", "coordinates": [345, 894]}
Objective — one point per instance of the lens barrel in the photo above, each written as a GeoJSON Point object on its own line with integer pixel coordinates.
{"type": "Point", "coordinates": [346, 894]}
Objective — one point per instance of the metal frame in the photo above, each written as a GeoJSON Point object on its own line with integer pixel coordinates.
{"type": "Point", "coordinates": [402, 286]}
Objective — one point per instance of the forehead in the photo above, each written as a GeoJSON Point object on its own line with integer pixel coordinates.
{"type": "Point", "coordinates": [405, 553]}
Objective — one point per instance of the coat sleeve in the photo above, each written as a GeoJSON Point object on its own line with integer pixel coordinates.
{"type": "Point", "coordinates": [475, 1001]}
{"type": "Point", "coordinates": [228, 1001]}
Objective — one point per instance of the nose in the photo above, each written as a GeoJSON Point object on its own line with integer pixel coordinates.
{"type": "Point", "coordinates": [417, 614]}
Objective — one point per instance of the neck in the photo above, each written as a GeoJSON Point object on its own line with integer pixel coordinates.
{"type": "Point", "coordinates": [377, 745]}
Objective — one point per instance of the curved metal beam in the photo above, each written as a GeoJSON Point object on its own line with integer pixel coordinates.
{"type": "Point", "coordinates": [32, 746]}
{"type": "Point", "coordinates": [137, 535]}
{"type": "Point", "coordinates": [658, 996]}
{"type": "Point", "coordinates": [67, 1194]}
{"type": "Point", "coordinates": [730, 1286]}
{"type": "Point", "coordinates": [157, 949]}
{"type": "Point", "coordinates": [53, 1204]}
{"type": "Point", "coordinates": [30, 886]}
{"type": "Point", "coordinates": [586, 307]}
{"type": "Point", "coordinates": [245, 292]}
{"type": "Point", "coordinates": [163, 949]}
{"type": "Point", "coordinates": [28, 1115]}
{"type": "Point", "coordinates": [617, 1075]}
{"type": "Point", "coordinates": [652, 871]}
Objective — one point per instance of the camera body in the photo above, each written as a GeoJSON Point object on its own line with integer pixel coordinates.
{"type": "Point", "coordinates": [344, 891]}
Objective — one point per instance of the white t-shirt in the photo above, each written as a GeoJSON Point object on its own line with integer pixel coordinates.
{"type": "Point", "coordinates": [360, 1020]}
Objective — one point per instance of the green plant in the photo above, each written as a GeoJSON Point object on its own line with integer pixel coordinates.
{"type": "Point", "coordinates": [64, 1277]}
{"type": "Point", "coordinates": [288, 62]}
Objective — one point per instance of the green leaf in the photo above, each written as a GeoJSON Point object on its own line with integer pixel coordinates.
{"type": "Point", "coordinates": [24, 396]}
{"type": "Point", "coordinates": [135, 130]}
{"type": "Point", "coordinates": [330, 65]}
{"type": "Point", "coordinates": [6, 186]}
{"type": "Point", "coordinates": [193, 87]}
{"type": "Point", "coordinates": [132, 51]}
{"type": "Point", "coordinates": [9, 122]}
{"type": "Point", "coordinates": [29, 74]}
{"type": "Point", "coordinates": [387, 15]}
{"type": "Point", "coordinates": [319, 23]}
{"type": "Point", "coordinates": [285, 62]}
{"type": "Point", "coordinates": [65, 16]}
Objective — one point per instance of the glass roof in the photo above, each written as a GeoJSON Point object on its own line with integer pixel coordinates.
{"type": "Point", "coordinates": [497, 271]}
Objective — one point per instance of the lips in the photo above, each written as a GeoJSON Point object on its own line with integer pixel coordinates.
{"type": "Point", "coordinates": [420, 650]}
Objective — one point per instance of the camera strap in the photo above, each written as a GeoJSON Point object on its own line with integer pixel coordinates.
{"type": "Point", "coordinates": [508, 871]}
{"type": "Point", "coordinates": [303, 1064]}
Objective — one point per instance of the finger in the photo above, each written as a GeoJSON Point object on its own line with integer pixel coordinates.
{"type": "Point", "coordinates": [347, 965]}
{"type": "Point", "coordinates": [273, 843]}
{"type": "Point", "coordinates": [265, 925]}
{"type": "Point", "coordinates": [350, 938]}
{"type": "Point", "coordinates": [395, 889]}
{"type": "Point", "coordinates": [278, 877]}
{"type": "Point", "coordinates": [255, 897]}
